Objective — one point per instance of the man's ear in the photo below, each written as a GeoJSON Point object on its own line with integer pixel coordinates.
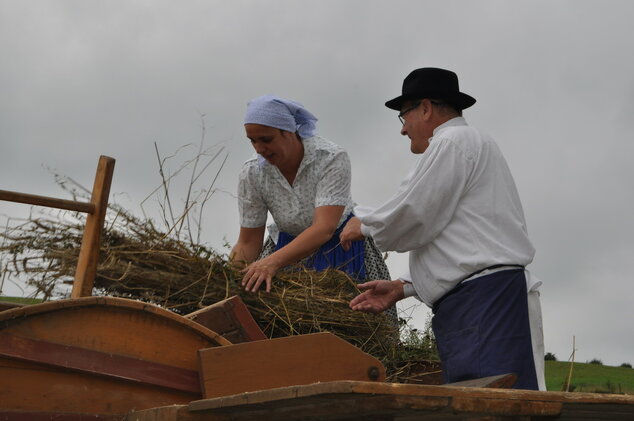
{"type": "Point", "coordinates": [427, 109]}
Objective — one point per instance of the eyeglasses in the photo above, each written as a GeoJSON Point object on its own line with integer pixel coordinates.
{"type": "Point", "coordinates": [401, 115]}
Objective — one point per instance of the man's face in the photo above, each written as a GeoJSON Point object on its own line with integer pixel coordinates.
{"type": "Point", "coordinates": [416, 117]}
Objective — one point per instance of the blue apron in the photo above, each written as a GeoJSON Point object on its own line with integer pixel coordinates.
{"type": "Point", "coordinates": [332, 255]}
{"type": "Point", "coordinates": [482, 329]}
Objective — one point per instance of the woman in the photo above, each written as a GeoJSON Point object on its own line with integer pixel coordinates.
{"type": "Point", "coordinates": [303, 180]}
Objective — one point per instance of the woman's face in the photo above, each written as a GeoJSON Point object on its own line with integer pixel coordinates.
{"type": "Point", "coordinates": [275, 145]}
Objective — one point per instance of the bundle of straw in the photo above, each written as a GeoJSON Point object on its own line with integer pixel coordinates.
{"type": "Point", "coordinates": [139, 261]}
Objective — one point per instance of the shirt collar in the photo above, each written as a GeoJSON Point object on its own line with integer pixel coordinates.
{"type": "Point", "coordinates": [309, 153]}
{"type": "Point", "coordinates": [454, 122]}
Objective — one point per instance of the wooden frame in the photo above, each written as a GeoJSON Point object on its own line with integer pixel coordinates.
{"type": "Point", "coordinates": [231, 319]}
{"type": "Point", "coordinates": [99, 356]}
{"type": "Point", "coordinates": [96, 210]}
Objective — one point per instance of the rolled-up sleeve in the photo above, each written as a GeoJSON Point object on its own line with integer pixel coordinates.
{"type": "Point", "coordinates": [251, 205]}
{"type": "Point", "coordinates": [333, 189]}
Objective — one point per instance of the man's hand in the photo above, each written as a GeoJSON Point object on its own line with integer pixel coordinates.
{"type": "Point", "coordinates": [378, 296]}
{"type": "Point", "coordinates": [258, 272]}
{"type": "Point", "coordinates": [351, 232]}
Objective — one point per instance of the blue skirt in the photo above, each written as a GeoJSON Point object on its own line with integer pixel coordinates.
{"type": "Point", "coordinates": [332, 255]}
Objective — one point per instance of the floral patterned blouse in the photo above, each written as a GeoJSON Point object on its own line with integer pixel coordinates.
{"type": "Point", "coordinates": [323, 179]}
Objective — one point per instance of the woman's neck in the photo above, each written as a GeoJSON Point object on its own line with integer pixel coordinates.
{"type": "Point", "coordinates": [291, 166]}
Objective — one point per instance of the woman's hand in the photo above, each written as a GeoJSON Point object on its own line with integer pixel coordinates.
{"type": "Point", "coordinates": [248, 247]}
{"type": "Point", "coordinates": [325, 220]}
{"type": "Point", "coordinates": [258, 272]}
{"type": "Point", "coordinates": [351, 232]}
{"type": "Point", "coordinates": [378, 296]}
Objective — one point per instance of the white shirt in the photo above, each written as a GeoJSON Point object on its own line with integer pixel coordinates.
{"type": "Point", "coordinates": [458, 211]}
{"type": "Point", "coordinates": [323, 179]}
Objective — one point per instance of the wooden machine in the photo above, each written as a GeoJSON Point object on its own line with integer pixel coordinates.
{"type": "Point", "coordinates": [106, 358]}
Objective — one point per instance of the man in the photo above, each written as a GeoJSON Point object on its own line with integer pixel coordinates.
{"type": "Point", "coordinates": [458, 214]}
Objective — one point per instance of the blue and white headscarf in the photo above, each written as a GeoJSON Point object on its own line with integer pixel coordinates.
{"type": "Point", "coordinates": [273, 111]}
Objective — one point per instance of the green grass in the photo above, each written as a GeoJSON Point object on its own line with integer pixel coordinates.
{"type": "Point", "coordinates": [21, 300]}
{"type": "Point", "coordinates": [593, 378]}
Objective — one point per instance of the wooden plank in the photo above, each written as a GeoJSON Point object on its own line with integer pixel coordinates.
{"type": "Point", "coordinates": [502, 381]}
{"type": "Point", "coordinates": [481, 406]}
{"type": "Point", "coordinates": [173, 413]}
{"type": "Point", "coordinates": [280, 362]}
{"type": "Point", "coordinates": [597, 411]}
{"type": "Point", "coordinates": [231, 319]}
{"type": "Point", "coordinates": [89, 252]}
{"type": "Point", "coordinates": [341, 400]}
{"type": "Point", "coordinates": [625, 402]}
{"type": "Point", "coordinates": [165, 413]}
{"type": "Point", "coordinates": [341, 407]}
{"type": "Point", "coordinates": [348, 400]}
{"type": "Point", "coordinates": [312, 394]}
{"type": "Point", "coordinates": [277, 394]}
{"type": "Point", "coordinates": [49, 202]}
{"type": "Point", "coordinates": [31, 387]}
{"type": "Point", "coordinates": [99, 363]}
{"type": "Point", "coordinates": [57, 416]}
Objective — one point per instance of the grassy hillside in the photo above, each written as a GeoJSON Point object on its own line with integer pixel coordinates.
{"type": "Point", "coordinates": [20, 300]}
{"type": "Point", "coordinates": [590, 377]}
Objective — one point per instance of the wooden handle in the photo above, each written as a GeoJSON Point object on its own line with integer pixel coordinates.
{"type": "Point", "coordinates": [89, 252]}
{"type": "Point", "coordinates": [49, 202]}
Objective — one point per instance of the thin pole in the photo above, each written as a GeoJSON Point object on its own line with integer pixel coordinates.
{"type": "Point", "coordinates": [49, 202]}
{"type": "Point", "coordinates": [89, 251]}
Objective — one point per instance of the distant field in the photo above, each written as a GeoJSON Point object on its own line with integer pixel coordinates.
{"type": "Point", "coordinates": [20, 300]}
{"type": "Point", "coordinates": [590, 377]}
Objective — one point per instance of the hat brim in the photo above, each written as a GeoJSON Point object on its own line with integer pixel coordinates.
{"type": "Point", "coordinates": [458, 99]}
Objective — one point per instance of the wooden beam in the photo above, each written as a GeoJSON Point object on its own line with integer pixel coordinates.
{"type": "Point", "coordinates": [502, 381]}
{"type": "Point", "coordinates": [49, 202]}
{"type": "Point", "coordinates": [57, 416]}
{"type": "Point", "coordinates": [99, 363]}
{"type": "Point", "coordinates": [89, 252]}
{"type": "Point", "coordinates": [365, 401]}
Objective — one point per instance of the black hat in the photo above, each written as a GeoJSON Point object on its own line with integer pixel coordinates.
{"type": "Point", "coordinates": [433, 83]}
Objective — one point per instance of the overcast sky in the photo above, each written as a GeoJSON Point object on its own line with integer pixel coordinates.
{"type": "Point", "coordinates": [554, 82]}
